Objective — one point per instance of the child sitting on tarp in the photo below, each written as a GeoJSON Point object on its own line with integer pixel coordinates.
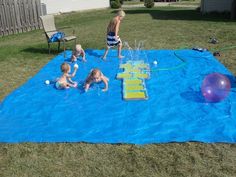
{"type": "Point", "coordinates": [79, 51]}
{"type": "Point", "coordinates": [65, 80]}
{"type": "Point", "coordinates": [96, 76]}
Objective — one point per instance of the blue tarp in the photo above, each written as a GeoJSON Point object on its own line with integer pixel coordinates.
{"type": "Point", "coordinates": [56, 37]}
{"type": "Point", "coordinates": [174, 112]}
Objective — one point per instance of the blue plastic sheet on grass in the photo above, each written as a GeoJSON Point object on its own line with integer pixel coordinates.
{"type": "Point", "coordinates": [174, 112]}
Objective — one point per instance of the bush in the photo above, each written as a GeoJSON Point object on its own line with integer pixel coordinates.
{"type": "Point", "coordinates": [149, 3]}
{"type": "Point", "coordinates": [115, 4]}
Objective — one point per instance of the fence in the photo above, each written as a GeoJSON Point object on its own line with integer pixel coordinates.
{"type": "Point", "coordinates": [17, 16]}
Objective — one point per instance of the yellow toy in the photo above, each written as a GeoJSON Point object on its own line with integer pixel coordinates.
{"type": "Point", "coordinates": [133, 80]}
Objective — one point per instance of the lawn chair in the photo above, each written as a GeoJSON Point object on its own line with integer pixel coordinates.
{"type": "Point", "coordinates": [50, 31]}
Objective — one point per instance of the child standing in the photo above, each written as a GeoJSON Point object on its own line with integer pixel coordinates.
{"type": "Point", "coordinates": [77, 52]}
{"type": "Point", "coordinates": [65, 80]}
{"type": "Point", "coordinates": [96, 76]}
{"type": "Point", "coordinates": [112, 34]}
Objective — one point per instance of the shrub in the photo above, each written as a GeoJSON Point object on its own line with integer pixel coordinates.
{"type": "Point", "coordinates": [149, 3]}
{"type": "Point", "coordinates": [115, 4]}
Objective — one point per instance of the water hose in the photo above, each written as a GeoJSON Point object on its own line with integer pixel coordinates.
{"type": "Point", "coordinates": [183, 63]}
{"type": "Point", "coordinates": [225, 48]}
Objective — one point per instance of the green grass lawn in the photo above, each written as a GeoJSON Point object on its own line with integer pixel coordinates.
{"type": "Point", "coordinates": [132, 2]}
{"type": "Point", "coordinates": [184, 2]}
{"type": "Point", "coordinates": [23, 55]}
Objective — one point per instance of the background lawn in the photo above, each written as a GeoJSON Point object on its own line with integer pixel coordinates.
{"type": "Point", "coordinates": [23, 55]}
{"type": "Point", "coordinates": [188, 2]}
{"type": "Point", "coordinates": [134, 2]}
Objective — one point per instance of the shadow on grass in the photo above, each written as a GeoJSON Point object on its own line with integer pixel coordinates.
{"type": "Point", "coordinates": [180, 14]}
{"type": "Point", "coordinates": [41, 50]}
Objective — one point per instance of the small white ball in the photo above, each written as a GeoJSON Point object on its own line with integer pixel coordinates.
{"type": "Point", "coordinates": [47, 82]}
{"type": "Point", "coordinates": [155, 62]}
{"type": "Point", "coordinates": [76, 65]}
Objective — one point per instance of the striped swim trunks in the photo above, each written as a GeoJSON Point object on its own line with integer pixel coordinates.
{"type": "Point", "coordinates": [111, 40]}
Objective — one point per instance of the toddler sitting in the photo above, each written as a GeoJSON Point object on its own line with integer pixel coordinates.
{"type": "Point", "coordinates": [65, 80]}
{"type": "Point", "coordinates": [79, 51]}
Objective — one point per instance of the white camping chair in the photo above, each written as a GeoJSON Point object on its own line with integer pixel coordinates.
{"type": "Point", "coordinates": [49, 27]}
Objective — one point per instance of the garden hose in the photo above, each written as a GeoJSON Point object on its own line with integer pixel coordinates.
{"type": "Point", "coordinates": [184, 62]}
{"type": "Point", "coordinates": [172, 68]}
{"type": "Point", "coordinates": [225, 48]}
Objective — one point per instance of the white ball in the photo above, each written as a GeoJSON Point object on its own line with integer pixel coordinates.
{"type": "Point", "coordinates": [155, 62]}
{"type": "Point", "coordinates": [76, 65]}
{"type": "Point", "coordinates": [47, 82]}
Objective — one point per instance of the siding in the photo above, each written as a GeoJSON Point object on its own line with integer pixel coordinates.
{"type": "Point", "coordinates": [216, 5]}
{"type": "Point", "coordinates": [56, 6]}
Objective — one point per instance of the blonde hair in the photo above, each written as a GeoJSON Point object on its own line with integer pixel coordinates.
{"type": "Point", "coordinates": [78, 47]}
{"type": "Point", "coordinates": [65, 67]}
{"type": "Point", "coordinates": [112, 25]}
{"type": "Point", "coordinates": [120, 13]}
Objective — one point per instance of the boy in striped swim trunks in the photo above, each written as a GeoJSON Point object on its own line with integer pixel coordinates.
{"type": "Point", "coordinates": [112, 34]}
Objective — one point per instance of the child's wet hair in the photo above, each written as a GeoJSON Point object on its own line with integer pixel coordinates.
{"type": "Point", "coordinates": [95, 71]}
{"type": "Point", "coordinates": [92, 74]}
{"type": "Point", "coordinates": [65, 67]}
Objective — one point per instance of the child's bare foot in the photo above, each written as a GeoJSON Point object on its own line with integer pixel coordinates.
{"type": "Point", "coordinates": [121, 56]}
{"type": "Point", "coordinates": [104, 90]}
{"type": "Point", "coordinates": [75, 84]}
{"type": "Point", "coordinates": [74, 60]}
{"type": "Point", "coordinates": [103, 58]}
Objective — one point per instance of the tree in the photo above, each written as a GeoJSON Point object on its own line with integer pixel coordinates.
{"type": "Point", "coordinates": [149, 3]}
{"type": "Point", "coordinates": [233, 10]}
{"type": "Point", "coordinates": [115, 4]}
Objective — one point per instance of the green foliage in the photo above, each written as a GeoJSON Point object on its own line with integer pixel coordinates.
{"type": "Point", "coordinates": [149, 3]}
{"type": "Point", "coordinates": [115, 4]}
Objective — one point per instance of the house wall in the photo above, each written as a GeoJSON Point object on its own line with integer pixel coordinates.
{"type": "Point", "coordinates": [216, 5]}
{"type": "Point", "coordinates": [56, 6]}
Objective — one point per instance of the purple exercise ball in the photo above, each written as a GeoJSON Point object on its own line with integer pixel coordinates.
{"type": "Point", "coordinates": [215, 87]}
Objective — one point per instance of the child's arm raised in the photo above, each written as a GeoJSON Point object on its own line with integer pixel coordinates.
{"type": "Point", "coordinates": [74, 72]}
